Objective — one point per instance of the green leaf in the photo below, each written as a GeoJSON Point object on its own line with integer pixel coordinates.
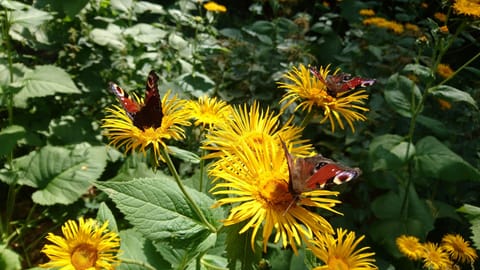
{"type": "Point", "coordinates": [184, 155]}
{"type": "Point", "coordinates": [389, 151]}
{"type": "Point", "coordinates": [434, 125]}
{"type": "Point", "coordinates": [122, 5]}
{"type": "Point", "coordinates": [385, 232]}
{"type": "Point", "coordinates": [110, 37]}
{"type": "Point", "coordinates": [9, 137]}
{"type": "Point", "coordinates": [135, 247]}
{"type": "Point", "coordinates": [433, 159]}
{"type": "Point", "coordinates": [472, 213]}
{"type": "Point", "coordinates": [453, 94]}
{"type": "Point", "coordinates": [45, 81]}
{"type": "Point", "coordinates": [158, 209]}
{"type": "Point", "coordinates": [105, 214]}
{"type": "Point", "coordinates": [143, 6]}
{"type": "Point", "coordinates": [180, 253]}
{"type": "Point", "coordinates": [30, 18]}
{"type": "Point", "coordinates": [399, 92]}
{"type": "Point", "coordinates": [62, 175]}
{"type": "Point", "coordinates": [9, 260]}
{"type": "Point", "coordinates": [214, 262]}
{"type": "Point", "coordinates": [145, 33]}
{"type": "Point", "coordinates": [420, 70]}
{"type": "Point", "coordinates": [239, 247]}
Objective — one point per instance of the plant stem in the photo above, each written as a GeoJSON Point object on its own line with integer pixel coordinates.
{"type": "Point", "coordinates": [184, 191]}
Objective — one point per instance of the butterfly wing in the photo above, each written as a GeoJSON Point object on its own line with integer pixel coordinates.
{"type": "Point", "coordinates": [150, 114]}
{"type": "Point", "coordinates": [129, 105]}
{"type": "Point", "coordinates": [299, 170]}
{"type": "Point", "coordinates": [326, 172]}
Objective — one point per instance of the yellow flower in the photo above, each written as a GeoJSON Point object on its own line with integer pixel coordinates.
{"type": "Point", "coordinates": [311, 92]}
{"type": "Point", "coordinates": [444, 105]}
{"type": "Point", "coordinates": [440, 16]}
{"type": "Point", "coordinates": [341, 252]}
{"type": "Point", "coordinates": [367, 12]}
{"type": "Point", "coordinates": [444, 70]}
{"type": "Point", "coordinates": [459, 249]}
{"type": "Point", "coordinates": [85, 245]}
{"type": "Point", "coordinates": [208, 111]}
{"type": "Point", "coordinates": [412, 27]}
{"type": "Point", "coordinates": [467, 7]}
{"type": "Point", "coordinates": [435, 257]}
{"type": "Point", "coordinates": [410, 246]}
{"type": "Point", "coordinates": [122, 131]}
{"type": "Point", "coordinates": [444, 29]}
{"type": "Point", "coordinates": [253, 125]}
{"type": "Point", "coordinates": [255, 184]}
{"type": "Point", "coordinates": [214, 7]}
{"type": "Point", "coordinates": [384, 23]}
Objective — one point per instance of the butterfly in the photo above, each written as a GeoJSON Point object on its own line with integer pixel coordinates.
{"type": "Point", "coordinates": [341, 82]}
{"type": "Point", "coordinates": [317, 172]}
{"type": "Point", "coordinates": [148, 114]}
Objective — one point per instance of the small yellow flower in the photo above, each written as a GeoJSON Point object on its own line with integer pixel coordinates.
{"type": "Point", "coordinates": [367, 12]}
{"type": "Point", "coordinates": [467, 7]}
{"type": "Point", "coordinates": [459, 249]}
{"type": "Point", "coordinates": [412, 27]}
{"type": "Point", "coordinates": [85, 245]}
{"type": "Point", "coordinates": [310, 92]}
{"type": "Point", "coordinates": [341, 252]}
{"type": "Point", "coordinates": [435, 257]}
{"type": "Point", "coordinates": [384, 23]}
{"type": "Point", "coordinates": [208, 111]}
{"type": "Point", "coordinates": [410, 246]}
{"type": "Point", "coordinates": [443, 29]}
{"type": "Point", "coordinates": [441, 17]}
{"type": "Point", "coordinates": [444, 70]}
{"type": "Point", "coordinates": [444, 105]}
{"type": "Point", "coordinates": [252, 125]}
{"type": "Point", "coordinates": [122, 131]}
{"type": "Point", "coordinates": [255, 183]}
{"type": "Point", "coordinates": [214, 7]}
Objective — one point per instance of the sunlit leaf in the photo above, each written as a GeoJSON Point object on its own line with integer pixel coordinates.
{"type": "Point", "coordinates": [472, 213]}
{"type": "Point", "coordinates": [9, 260]}
{"type": "Point", "coordinates": [145, 33]}
{"type": "Point", "coordinates": [62, 175]}
{"type": "Point", "coordinates": [110, 37]}
{"type": "Point", "coordinates": [45, 81]}
{"type": "Point", "coordinates": [158, 209]}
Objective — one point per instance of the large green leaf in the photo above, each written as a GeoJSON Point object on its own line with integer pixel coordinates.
{"type": "Point", "coordinates": [110, 37]}
{"type": "Point", "coordinates": [420, 70]}
{"type": "Point", "coordinates": [433, 159]}
{"type": "Point", "coordinates": [145, 33]}
{"type": "Point", "coordinates": [402, 94]}
{"type": "Point", "coordinates": [389, 151]}
{"type": "Point", "coordinates": [105, 214]}
{"type": "Point", "coordinates": [472, 213]}
{"type": "Point", "coordinates": [45, 81]}
{"type": "Point", "coordinates": [159, 210]}
{"type": "Point", "coordinates": [453, 94]}
{"type": "Point", "coordinates": [9, 260]}
{"type": "Point", "coordinates": [62, 175]}
{"type": "Point", "coordinates": [135, 247]}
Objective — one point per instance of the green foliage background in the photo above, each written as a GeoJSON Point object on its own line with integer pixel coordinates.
{"type": "Point", "coordinates": [420, 161]}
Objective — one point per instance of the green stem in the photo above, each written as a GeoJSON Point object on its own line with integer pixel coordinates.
{"type": "Point", "coordinates": [142, 264]}
{"type": "Point", "coordinates": [307, 119]}
{"type": "Point", "coordinates": [459, 69]}
{"type": "Point", "coordinates": [184, 191]}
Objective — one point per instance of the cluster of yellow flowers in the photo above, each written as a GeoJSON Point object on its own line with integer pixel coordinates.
{"type": "Point", "coordinates": [452, 251]}
{"type": "Point", "coordinates": [250, 171]}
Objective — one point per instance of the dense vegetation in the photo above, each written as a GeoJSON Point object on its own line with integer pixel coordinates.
{"type": "Point", "coordinates": [418, 146]}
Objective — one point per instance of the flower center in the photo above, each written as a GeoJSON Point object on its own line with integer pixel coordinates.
{"type": "Point", "coordinates": [275, 192]}
{"type": "Point", "coordinates": [84, 256]}
{"type": "Point", "coordinates": [335, 263]}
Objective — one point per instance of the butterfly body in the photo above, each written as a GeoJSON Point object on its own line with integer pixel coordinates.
{"type": "Point", "coordinates": [342, 82]}
{"type": "Point", "coordinates": [317, 172]}
{"type": "Point", "coordinates": [146, 115]}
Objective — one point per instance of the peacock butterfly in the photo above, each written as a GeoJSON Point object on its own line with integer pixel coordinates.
{"type": "Point", "coordinates": [317, 172]}
{"type": "Point", "coordinates": [341, 82]}
{"type": "Point", "coordinates": [148, 114]}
